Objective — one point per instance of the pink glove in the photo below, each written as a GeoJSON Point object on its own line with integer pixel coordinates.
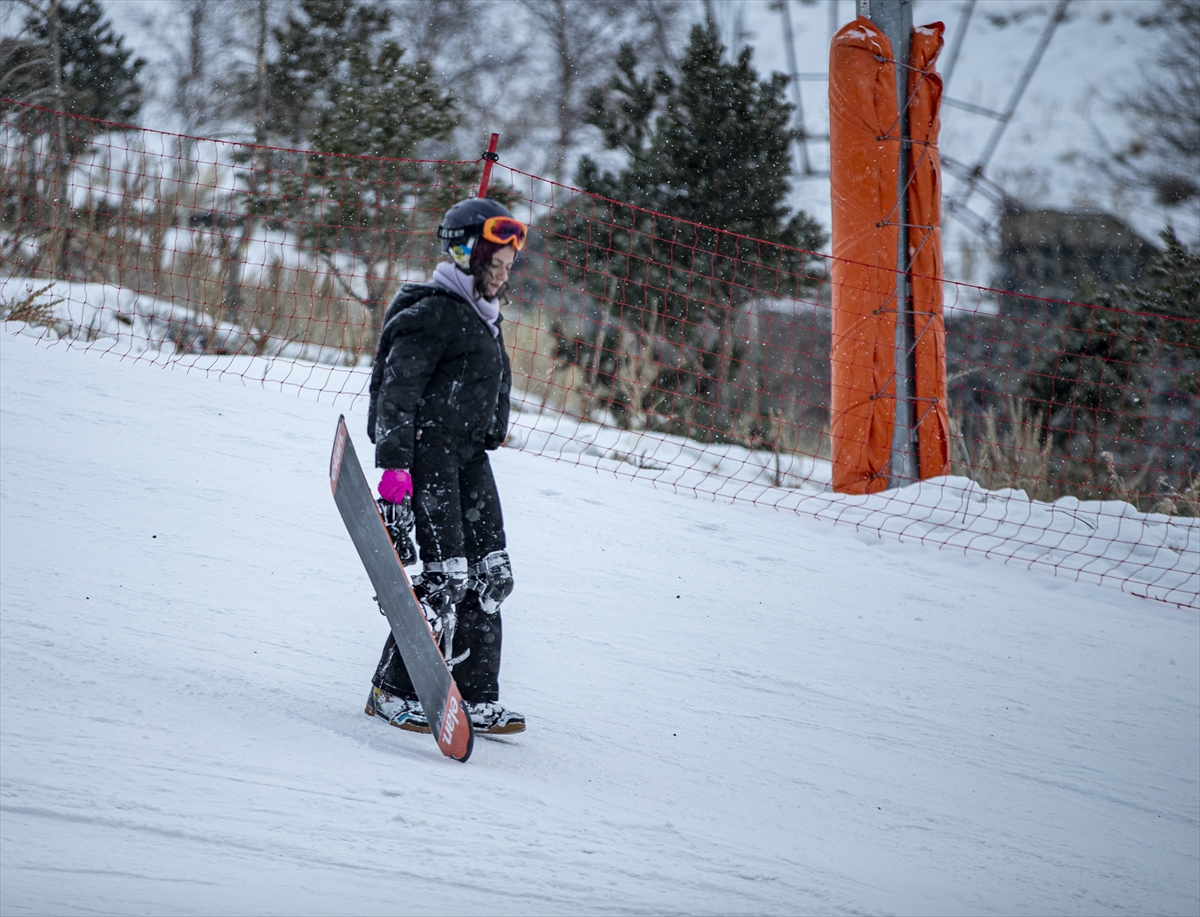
{"type": "Point", "coordinates": [395, 485]}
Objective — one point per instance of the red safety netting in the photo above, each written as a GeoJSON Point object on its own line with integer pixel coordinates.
{"type": "Point", "coordinates": [642, 345]}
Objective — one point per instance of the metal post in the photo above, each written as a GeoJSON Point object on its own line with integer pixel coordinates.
{"type": "Point", "coordinates": [895, 19]}
{"type": "Point", "coordinates": [797, 98]}
{"type": "Point", "coordinates": [964, 23]}
{"type": "Point", "coordinates": [959, 202]}
{"type": "Point", "coordinates": [488, 158]}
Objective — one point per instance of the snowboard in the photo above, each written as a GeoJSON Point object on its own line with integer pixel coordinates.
{"type": "Point", "coordinates": [439, 695]}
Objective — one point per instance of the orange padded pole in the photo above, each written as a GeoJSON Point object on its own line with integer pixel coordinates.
{"type": "Point", "coordinates": [863, 174]}
{"type": "Point", "coordinates": [925, 251]}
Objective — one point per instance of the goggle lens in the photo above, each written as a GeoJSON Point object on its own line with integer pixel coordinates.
{"type": "Point", "coordinates": [506, 231]}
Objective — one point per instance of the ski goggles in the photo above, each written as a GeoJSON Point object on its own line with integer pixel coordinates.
{"type": "Point", "coordinates": [506, 231]}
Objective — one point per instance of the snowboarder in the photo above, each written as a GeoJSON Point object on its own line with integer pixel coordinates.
{"type": "Point", "coordinates": [439, 403]}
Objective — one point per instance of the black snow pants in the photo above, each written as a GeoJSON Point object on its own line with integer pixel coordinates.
{"type": "Point", "coordinates": [458, 515]}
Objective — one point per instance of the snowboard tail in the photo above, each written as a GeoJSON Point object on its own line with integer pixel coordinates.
{"type": "Point", "coordinates": [434, 683]}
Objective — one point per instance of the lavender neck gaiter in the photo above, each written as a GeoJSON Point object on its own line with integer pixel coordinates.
{"type": "Point", "coordinates": [451, 278]}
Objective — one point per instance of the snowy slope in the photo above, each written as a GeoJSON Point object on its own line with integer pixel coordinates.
{"type": "Point", "coordinates": [1109, 542]}
{"type": "Point", "coordinates": [731, 709]}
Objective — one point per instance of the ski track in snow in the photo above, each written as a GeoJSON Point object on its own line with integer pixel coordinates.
{"type": "Point", "coordinates": [731, 709]}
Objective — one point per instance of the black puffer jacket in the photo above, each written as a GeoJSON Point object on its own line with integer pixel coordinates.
{"type": "Point", "coordinates": [438, 371]}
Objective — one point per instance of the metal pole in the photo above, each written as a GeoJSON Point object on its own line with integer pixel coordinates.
{"type": "Point", "coordinates": [952, 57]}
{"type": "Point", "coordinates": [957, 204]}
{"type": "Point", "coordinates": [488, 158]}
{"type": "Point", "coordinates": [60, 262]}
{"type": "Point", "coordinates": [895, 19]}
{"type": "Point", "coordinates": [797, 98]}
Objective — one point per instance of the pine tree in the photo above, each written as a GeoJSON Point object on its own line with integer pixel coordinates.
{"type": "Point", "coordinates": [1175, 275]}
{"type": "Point", "coordinates": [1109, 384]}
{"type": "Point", "coordinates": [710, 153]}
{"type": "Point", "coordinates": [68, 60]}
{"type": "Point", "coordinates": [341, 88]}
{"type": "Point", "coordinates": [710, 148]}
{"type": "Point", "coordinates": [340, 85]}
{"type": "Point", "coordinates": [98, 75]}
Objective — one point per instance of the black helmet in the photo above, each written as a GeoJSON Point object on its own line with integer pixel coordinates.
{"type": "Point", "coordinates": [463, 226]}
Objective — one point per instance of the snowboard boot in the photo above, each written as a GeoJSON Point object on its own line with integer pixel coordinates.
{"type": "Point", "coordinates": [439, 588]}
{"type": "Point", "coordinates": [492, 578]}
{"type": "Point", "coordinates": [404, 714]}
{"type": "Point", "coordinates": [495, 719]}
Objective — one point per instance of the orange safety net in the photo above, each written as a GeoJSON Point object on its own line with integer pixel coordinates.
{"type": "Point", "coordinates": [863, 171]}
{"type": "Point", "coordinates": [925, 251]}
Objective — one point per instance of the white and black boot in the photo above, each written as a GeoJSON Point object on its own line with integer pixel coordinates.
{"type": "Point", "coordinates": [493, 718]}
{"type": "Point", "coordinates": [440, 587]}
{"type": "Point", "coordinates": [401, 713]}
{"type": "Point", "coordinates": [492, 578]}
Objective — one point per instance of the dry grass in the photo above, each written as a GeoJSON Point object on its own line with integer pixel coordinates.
{"type": "Point", "coordinates": [532, 345]}
{"type": "Point", "coordinates": [568, 387]}
{"type": "Point", "coordinates": [1127, 489]}
{"type": "Point", "coordinates": [1010, 455]}
{"type": "Point", "coordinates": [174, 239]}
{"type": "Point", "coordinates": [1015, 453]}
{"type": "Point", "coordinates": [1184, 501]}
{"type": "Point", "coordinates": [35, 308]}
{"type": "Point", "coordinates": [637, 373]}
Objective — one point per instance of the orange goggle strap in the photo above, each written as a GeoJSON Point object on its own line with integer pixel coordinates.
{"type": "Point", "coordinates": [506, 231]}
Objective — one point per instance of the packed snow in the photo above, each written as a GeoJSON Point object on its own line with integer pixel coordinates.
{"type": "Point", "coordinates": [1103, 541]}
{"type": "Point", "coordinates": [732, 709]}
{"type": "Point", "coordinates": [118, 320]}
{"type": "Point", "coordinates": [1109, 542]}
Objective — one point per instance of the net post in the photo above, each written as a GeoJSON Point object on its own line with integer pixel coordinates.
{"type": "Point", "coordinates": [895, 19]}
{"type": "Point", "coordinates": [489, 158]}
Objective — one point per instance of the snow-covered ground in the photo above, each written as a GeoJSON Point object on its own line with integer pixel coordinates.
{"type": "Point", "coordinates": [1110, 542]}
{"type": "Point", "coordinates": [731, 709]}
{"type": "Point", "coordinates": [118, 320]}
{"type": "Point", "coordinates": [1102, 541]}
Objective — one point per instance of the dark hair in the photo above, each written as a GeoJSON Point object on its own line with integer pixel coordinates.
{"type": "Point", "coordinates": [481, 256]}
